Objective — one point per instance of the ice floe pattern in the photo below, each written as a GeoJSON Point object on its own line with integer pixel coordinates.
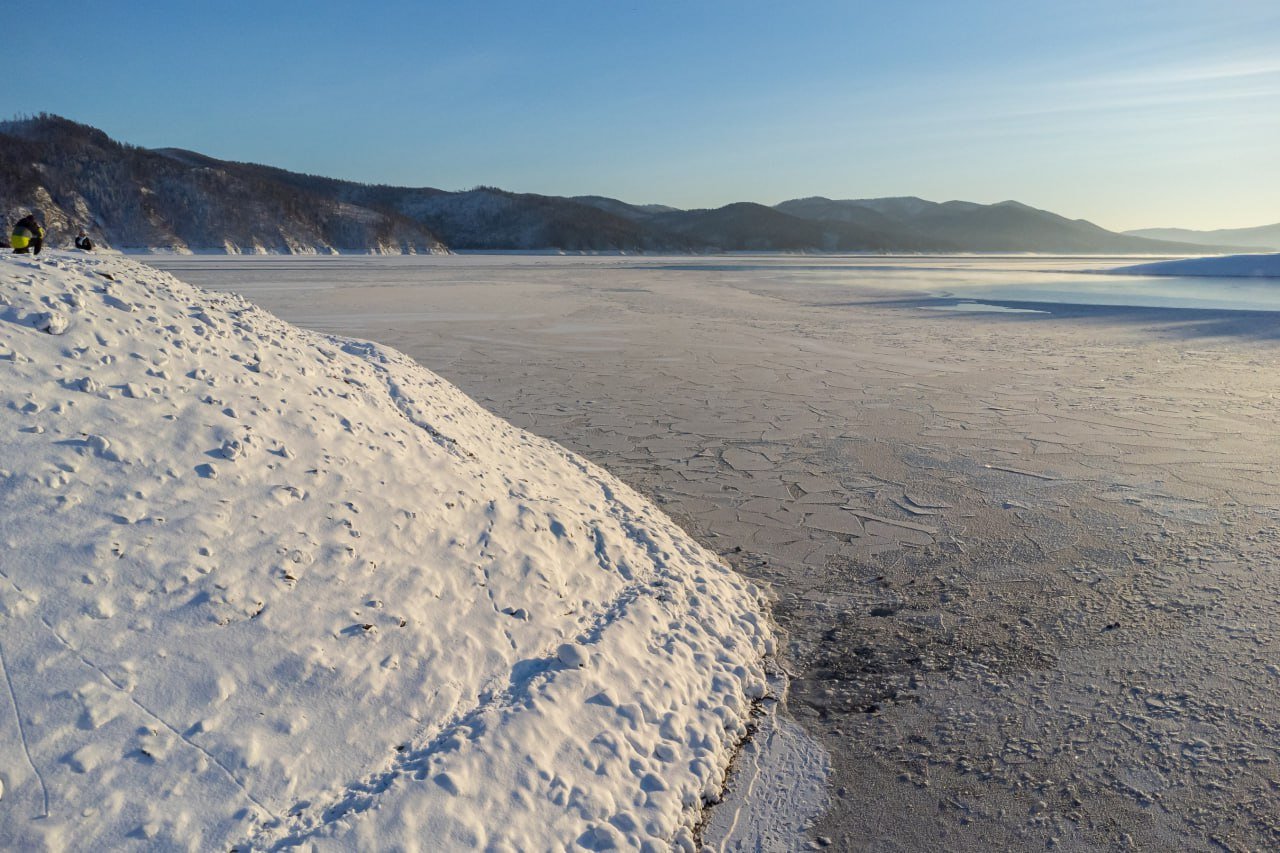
{"type": "Point", "coordinates": [265, 588]}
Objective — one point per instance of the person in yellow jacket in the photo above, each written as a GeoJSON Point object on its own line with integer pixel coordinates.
{"type": "Point", "coordinates": [27, 236]}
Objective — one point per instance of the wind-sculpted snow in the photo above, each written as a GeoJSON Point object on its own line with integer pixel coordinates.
{"type": "Point", "coordinates": [1230, 266]}
{"type": "Point", "coordinates": [263, 588]}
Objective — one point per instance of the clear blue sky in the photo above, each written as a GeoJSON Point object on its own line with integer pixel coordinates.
{"type": "Point", "coordinates": [1130, 113]}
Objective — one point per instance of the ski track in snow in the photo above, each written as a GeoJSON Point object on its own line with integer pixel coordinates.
{"type": "Point", "coordinates": [26, 747]}
{"type": "Point", "coordinates": [134, 700]}
{"type": "Point", "coordinates": [370, 353]}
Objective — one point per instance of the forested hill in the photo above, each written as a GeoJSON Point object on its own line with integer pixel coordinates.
{"type": "Point", "coordinates": [177, 200]}
{"type": "Point", "coordinates": [133, 198]}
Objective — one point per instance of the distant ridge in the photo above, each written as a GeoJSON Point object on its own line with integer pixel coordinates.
{"type": "Point", "coordinates": [172, 199]}
{"type": "Point", "coordinates": [1261, 238]}
{"type": "Point", "coordinates": [1008, 226]}
{"type": "Point", "coordinates": [746, 226]}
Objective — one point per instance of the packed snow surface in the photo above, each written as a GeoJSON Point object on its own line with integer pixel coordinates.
{"type": "Point", "coordinates": [264, 588]}
{"type": "Point", "coordinates": [1225, 266]}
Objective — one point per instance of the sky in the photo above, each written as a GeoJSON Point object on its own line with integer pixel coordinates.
{"type": "Point", "coordinates": [1130, 114]}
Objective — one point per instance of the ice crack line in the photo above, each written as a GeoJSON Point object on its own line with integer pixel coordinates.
{"type": "Point", "coordinates": [22, 734]}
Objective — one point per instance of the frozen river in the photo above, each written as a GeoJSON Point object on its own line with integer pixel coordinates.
{"type": "Point", "coordinates": [968, 279]}
{"type": "Point", "coordinates": [1024, 558]}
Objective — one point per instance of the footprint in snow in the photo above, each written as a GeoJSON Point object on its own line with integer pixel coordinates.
{"type": "Point", "coordinates": [101, 448]}
{"type": "Point", "coordinates": [52, 322]}
{"type": "Point", "coordinates": [117, 303]}
{"type": "Point", "coordinates": [573, 655]}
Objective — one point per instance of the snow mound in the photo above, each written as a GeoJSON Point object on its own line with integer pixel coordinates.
{"type": "Point", "coordinates": [264, 588]}
{"type": "Point", "coordinates": [1222, 266]}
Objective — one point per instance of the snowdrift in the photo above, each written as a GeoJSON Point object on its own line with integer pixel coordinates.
{"type": "Point", "coordinates": [1228, 266]}
{"type": "Point", "coordinates": [264, 588]}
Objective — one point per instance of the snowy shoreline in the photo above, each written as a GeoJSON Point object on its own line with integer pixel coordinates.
{"type": "Point", "coordinates": [1060, 519]}
{"type": "Point", "coordinates": [277, 587]}
{"type": "Point", "coordinates": [1217, 266]}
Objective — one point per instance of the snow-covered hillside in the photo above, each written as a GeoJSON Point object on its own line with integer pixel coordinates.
{"type": "Point", "coordinates": [262, 587]}
{"type": "Point", "coordinates": [1227, 266]}
{"type": "Point", "coordinates": [76, 177]}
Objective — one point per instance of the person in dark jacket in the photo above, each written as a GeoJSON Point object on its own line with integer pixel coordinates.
{"type": "Point", "coordinates": [83, 242]}
{"type": "Point", "coordinates": [27, 236]}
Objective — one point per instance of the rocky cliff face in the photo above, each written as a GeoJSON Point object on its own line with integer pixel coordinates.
{"type": "Point", "coordinates": [133, 198]}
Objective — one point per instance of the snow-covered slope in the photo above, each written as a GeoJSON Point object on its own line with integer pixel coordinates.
{"type": "Point", "coordinates": [1229, 266]}
{"type": "Point", "coordinates": [262, 587]}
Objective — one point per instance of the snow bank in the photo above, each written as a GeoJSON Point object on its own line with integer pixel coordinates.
{"type": "Point", "coordinates": [1224, 266]}
{"type": "Point", "coordinates": [265, 588]}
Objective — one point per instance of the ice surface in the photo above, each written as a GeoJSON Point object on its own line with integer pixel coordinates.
{"type": "Point", "coordinates": [981, 308]}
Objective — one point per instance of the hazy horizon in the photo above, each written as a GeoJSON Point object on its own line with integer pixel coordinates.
{"type": "Point", "coordinates": [1136, 116]}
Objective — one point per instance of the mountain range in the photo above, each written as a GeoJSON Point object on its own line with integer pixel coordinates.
{"type": "Point", "coordinates": [1262, 237]}
{"type": "Point", "coordinates": [171, 199]}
